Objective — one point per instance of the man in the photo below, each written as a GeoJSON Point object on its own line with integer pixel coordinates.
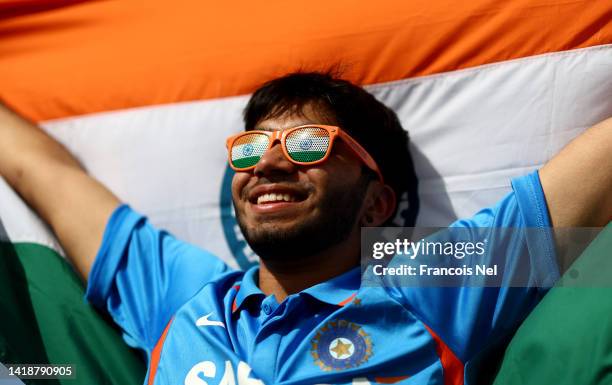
{"type": "Point", "coordinates": [318, 161]}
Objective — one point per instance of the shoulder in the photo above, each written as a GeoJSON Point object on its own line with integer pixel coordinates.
{"type": "Point", "coordinates": [524, 206]}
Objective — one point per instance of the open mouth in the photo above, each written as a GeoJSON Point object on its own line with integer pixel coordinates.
{"type": "Point", "coordinates": [270, 195]}
{"type": "Point", "coordinates": [269, 198]}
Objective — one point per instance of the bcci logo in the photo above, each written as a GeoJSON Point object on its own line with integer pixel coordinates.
{"type": "Point", "coordinates": [340, 345]}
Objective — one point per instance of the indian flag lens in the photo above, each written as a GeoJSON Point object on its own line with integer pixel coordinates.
{"type": "Point", "coordinates": [307, 144]}
{"type": "Point", "coordinates": [248, 149]}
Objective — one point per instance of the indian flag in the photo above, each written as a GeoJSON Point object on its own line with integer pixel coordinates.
{"type": "Point", "coordinates": [308, 144]}
{"type": "Point", "coordinates": [145, 95]}
{"type": "Point", "coordinates": [248, 149]}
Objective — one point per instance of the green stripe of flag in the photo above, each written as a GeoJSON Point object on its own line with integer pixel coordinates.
{"type": "Point", "coordinates": [45, 320]}
{"type": "Point", "coordinates": [567, 339]}
{"type": "Point", "coordinates": [245, 162]}
{"type": "Point", "coordinates": [307, 156]}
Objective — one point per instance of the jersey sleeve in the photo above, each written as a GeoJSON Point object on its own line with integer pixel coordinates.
{"type": "Point", "coordinates": [142, 275]}
{"type": "Point", "coordinates": [471, 318]}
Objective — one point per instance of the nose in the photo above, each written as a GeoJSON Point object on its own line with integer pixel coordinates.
{"type": "Point", "coordinates": [273, 162]}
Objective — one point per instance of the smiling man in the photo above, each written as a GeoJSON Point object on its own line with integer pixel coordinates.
{"type": "Point", "coordinates": [319, 159]}
{"type": "Point", "coordinates": [297, 207]}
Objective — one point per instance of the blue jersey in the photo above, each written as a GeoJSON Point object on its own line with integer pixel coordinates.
{"type": "Point", "coordinates": [200, 322]}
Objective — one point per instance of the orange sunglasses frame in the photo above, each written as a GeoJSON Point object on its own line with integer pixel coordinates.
{"type": "Point", "coordinates": [281, 136]}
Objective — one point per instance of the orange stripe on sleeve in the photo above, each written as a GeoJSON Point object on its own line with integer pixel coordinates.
{"type": "Point", "coordinates": [453, 367]}
{"type": "Point", "coordinates": [156, 354]}
{"type": "Point", "coordinates": [347, 300]}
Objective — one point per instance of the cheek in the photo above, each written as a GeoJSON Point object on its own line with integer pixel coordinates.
{"type": "Point", "coordinates": [341, 173]}
{"type": "Point", "coordinates": [239, 181]}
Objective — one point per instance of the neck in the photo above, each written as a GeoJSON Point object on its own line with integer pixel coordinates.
{"type": "Point", "coordinates": [289, 276]}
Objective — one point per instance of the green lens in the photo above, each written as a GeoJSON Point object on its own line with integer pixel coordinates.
{"type": "Point", "coordinates": [308, 144]}
{"type": "Point", "coordinates": [248, 149]}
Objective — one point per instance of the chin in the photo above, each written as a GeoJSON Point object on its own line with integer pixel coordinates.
{"type": "Point", "coordinates": [280, 240]}
{"type": "Point", "coordinates": [270, 229]}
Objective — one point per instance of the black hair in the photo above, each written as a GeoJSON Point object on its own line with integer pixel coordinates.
{"type": "Point", "coordinates": [374, 125]}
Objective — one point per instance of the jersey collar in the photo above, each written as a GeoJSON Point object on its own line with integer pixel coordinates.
{"type": "Point", "coordinates": [248, 288]}
{"type": "Point", "coordinates": [339, 290]}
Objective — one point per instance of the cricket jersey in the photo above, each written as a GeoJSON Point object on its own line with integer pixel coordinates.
{"type": "Point", "coordinates": [200, 322]}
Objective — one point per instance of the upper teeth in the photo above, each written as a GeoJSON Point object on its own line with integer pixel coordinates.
{"type": "Point", "coordinates": [275, 197]}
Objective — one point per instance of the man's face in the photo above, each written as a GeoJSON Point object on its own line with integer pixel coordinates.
{"type": "Point", "coordinates": [289, 211]}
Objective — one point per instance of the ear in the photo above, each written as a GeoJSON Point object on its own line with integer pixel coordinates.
{"type": "Point", "coordinates": [379, 205]}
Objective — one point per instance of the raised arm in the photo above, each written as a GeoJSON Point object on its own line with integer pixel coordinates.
{"type": "Point", "coordinates": [577, 182]}
{"type": "Point", "coordinates": [51, 180]}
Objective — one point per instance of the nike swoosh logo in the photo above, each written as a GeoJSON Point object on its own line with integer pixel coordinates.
{"type": "Point", "coordinates": [204, 321]}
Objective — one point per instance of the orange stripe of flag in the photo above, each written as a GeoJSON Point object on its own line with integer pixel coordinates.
{"type": "Point", "coordinates": [86, 57]}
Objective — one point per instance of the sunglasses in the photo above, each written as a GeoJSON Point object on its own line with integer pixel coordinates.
{"type": "Point", "coordinates": [304, 145]}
